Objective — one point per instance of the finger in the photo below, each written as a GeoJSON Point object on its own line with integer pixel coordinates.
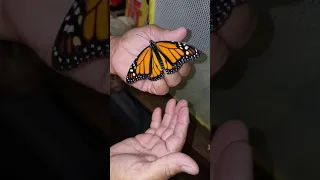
{"type": "Point", "coordinates": [145, 140]}
{"type": "Point", "coordinates": [234, 163]}
{"type": "Point", "coordinates": [176, 142]}
{"type": "Point", "coordinates": [172, 80]}
{"type": "Point", "coordinates": [170, 165]}
{"type": "Point", "coordinates": [167, 133]}
{"type": "Point", "coordinates": [159, 87]}
{"type": "Point", "coordinates": [170, 130]}
{"type": "Point", "coordinates": [229, 132]}
{"type": "Point", "coordinates": [185, 69]}
{"type": "Point", "coordinates": [156, 118]}
{"type": "Point", "coordinates": [183, 120]}
{"type": "Point", "coordinates": [182, 103]}
{"type": "Point", "coordinates": [161, 34]}
{"type": "Point", "coordinates": [173, 121]}
{"type": "Point", "coordinates": [169, 112]}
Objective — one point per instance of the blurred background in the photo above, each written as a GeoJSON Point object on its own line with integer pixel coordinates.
{"type": "Point", "coordinates": [272, 84]}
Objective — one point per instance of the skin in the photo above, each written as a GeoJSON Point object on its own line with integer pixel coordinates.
{"type": "Point", "coordinates": [155, 154]}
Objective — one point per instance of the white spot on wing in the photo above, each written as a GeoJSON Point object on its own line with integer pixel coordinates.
{"type": "Point", "coordinates": [80, 18]}
{"type": "Point", "coordinates": [74, 5]}
{"type": "Point", "coordinates": [67, 18]}
{"type": "Point", "coordinates": [76, 41]}
{"type": "Point", "coordinates": [66, 27]}
{"type": "Point", "coordinates": [70, 28]}
{"type": "Point", "coordinates": [77, 11]}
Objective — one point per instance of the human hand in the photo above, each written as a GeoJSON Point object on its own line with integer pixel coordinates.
{"type": "Point", "coordinates": [155, 154]}
{"type": "Point", "coordinates": [125, 49]}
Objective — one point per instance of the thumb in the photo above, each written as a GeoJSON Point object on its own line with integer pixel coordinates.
{"type": "Point", "coordinates": [171, 165]}
{"type": "Point", "coordinates": [170, 35]}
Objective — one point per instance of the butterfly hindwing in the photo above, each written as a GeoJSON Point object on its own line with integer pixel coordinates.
{"type": "Point", "coordinates": [143, 67]}
{"type": "Point", "coordinates": [84, 35]}
{"type": "Point", "coordinates": [156, 67]}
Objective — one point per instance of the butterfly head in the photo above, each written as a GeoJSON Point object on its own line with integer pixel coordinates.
{"type": "Point", "coordinates": [152, 42]}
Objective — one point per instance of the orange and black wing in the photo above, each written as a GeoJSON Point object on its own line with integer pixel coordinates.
{"type": "Point", "coordinates": [175, 54]}
{"type": "Point", "coordinates": [84, 35]}
{"type": "Point", "coordinates": [145, 66]}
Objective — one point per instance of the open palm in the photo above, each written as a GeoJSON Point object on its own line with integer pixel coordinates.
{"type": "Point", "coordinates": [128, 47]}
{"type": "Point", "coordinates": [155, 154]}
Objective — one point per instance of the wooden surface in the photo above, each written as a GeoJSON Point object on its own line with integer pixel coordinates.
{"type": "Point", "coordinates": [198, 139]}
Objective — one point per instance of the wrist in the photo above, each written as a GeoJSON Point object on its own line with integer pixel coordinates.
{"type": "Point", "coordinates": [114, 46]}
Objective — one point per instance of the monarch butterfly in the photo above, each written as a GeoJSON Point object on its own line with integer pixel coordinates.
{"type": "Point", "coordinates": [84, 35]}
{"type": "Point", "coordinates": [159, 56]}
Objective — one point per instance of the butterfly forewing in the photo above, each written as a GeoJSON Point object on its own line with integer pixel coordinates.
{"type": "Point", "coordinates": [84, 35]}
{"type": "Point", "coordinates": [156, 67]}
{"type": "Point", "coordinates": [175, 54]}
{"type": "Point", "coordinates": [141, 67]}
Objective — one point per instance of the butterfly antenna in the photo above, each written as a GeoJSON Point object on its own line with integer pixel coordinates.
{"type": "Point", "coordinates": [142, 37]}
{"type": "Point", "coordinates": [150, 31]}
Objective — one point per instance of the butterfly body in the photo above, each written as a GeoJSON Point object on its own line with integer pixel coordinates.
{"type": "Point", "coordinates": [168, 56]}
